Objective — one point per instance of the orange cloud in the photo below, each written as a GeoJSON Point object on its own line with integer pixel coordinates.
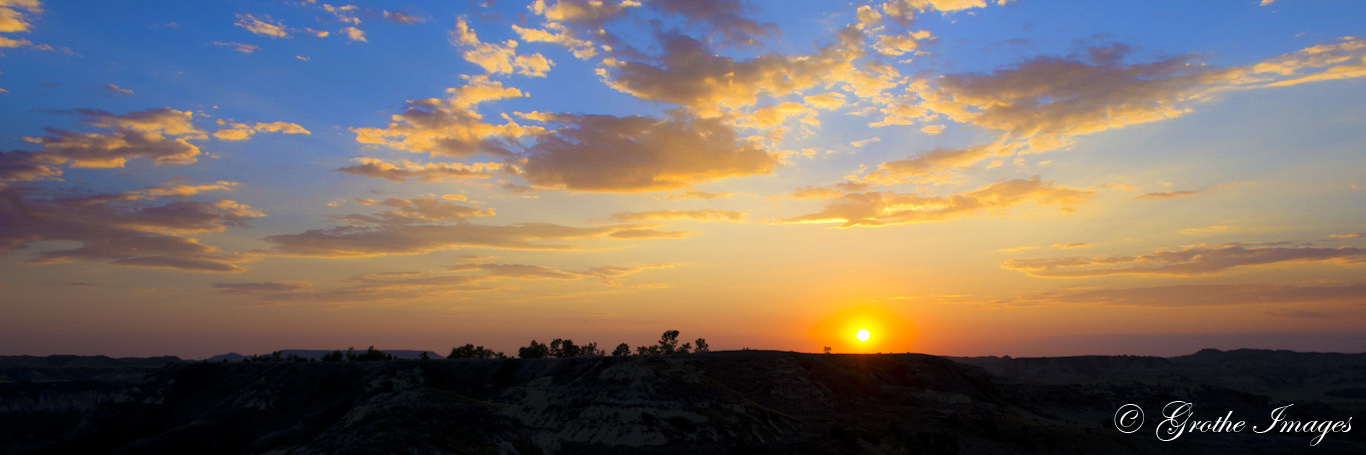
{"type": "Point", "coordinates": [160, 135]}
{"type": "Point", "coordinates": [634, 154]}
{"type": "Point", "coordinates": [430, 172]}
{"type": "Point", "coordinates": [450, 126]}
{"type": "Point", "coordinates": [408, 286]}
{"type": "Point", "coordinates": [1198, 295]}
{"type": "Point", "coordinates": [125, 228]}
{"type": "Point", "coordinates": [15, 18]}
{"type": "Point", "coordinates": [417, 210]}
{"type": "Point", "coordinates": [699, 215]}
{"type": "Point", "coordinates": [1168, 195]}
{"type": "Point", "coordinates": [273, 29]}
{"type": "Point", "coordinates": [233, 131]}
{"type": "Point", "coordinates": [874, 208]}
{"type": "Point", "coordinates": [725, 18]}
{"type": "Point", "coordinates": [20, 166]}
{"type": "Point", "coordinates": [648, 234]}
{"type": "Point", "coordinates": [693, 194]}
{"type": "Point", "coordinates": [497, 58]}
{"type": "Point", "coordinates": [1187, 261]}
{"type": "Point", "coordinates": [690, 74]}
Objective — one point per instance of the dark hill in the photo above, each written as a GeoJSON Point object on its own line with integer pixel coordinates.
{"type": "Point", "coordinates": [720, 402]}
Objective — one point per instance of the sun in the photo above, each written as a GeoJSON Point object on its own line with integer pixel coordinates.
{"type": "Point", "coordinates": [862, 335]}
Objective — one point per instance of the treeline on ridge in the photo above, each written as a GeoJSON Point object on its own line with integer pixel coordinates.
{"type": "Point", "coordinates": [557, 348]}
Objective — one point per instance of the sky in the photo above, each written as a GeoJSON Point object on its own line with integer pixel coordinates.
{"type": "Point", "coordinates": [958, 177]}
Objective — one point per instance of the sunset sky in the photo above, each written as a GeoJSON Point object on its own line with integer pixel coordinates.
{"type": "Point", "coordinates": [960, 177]}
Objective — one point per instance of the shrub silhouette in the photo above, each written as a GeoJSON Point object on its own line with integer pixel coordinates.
{"type": "Point", "coordinates": [470, 351]}
{"type": "Point", "coordinates": [534, 350]}
{"type": "Point", "coordinates": [621, 350]}
{"type": "Point", "coordinates": [371, 355]}
{"type": "Point", "coordinates": [668, 345]}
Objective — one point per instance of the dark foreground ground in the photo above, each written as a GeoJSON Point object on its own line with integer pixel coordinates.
{"type": "Point", "coordinates": [720, 402]}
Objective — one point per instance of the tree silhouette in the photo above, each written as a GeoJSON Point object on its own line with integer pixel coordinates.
{"type": "Point", "coordinates": [668, 342]}
{"type": "Point", "coordinates": [372, 355]}
{"type": "Point", "coordinates": [470, 351]}
{"type": "Point", "coordinates": [701, 345]}
{"type": "Point", "coordinates": [534, 350]}
{"type": "Point", "coordinates": [335, 356]}
{"type": "Point", "coordinates": [621, 350]}
{"type": "Point", "coordinates": [563, 348]}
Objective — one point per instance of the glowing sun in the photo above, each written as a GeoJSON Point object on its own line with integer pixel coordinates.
{"type": "Point", "coordinates": [862, 335]}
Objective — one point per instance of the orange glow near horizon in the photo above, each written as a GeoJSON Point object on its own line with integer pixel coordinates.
{"type": "Point", "coordinates": [894, 333]}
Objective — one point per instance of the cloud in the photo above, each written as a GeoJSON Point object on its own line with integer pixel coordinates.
{"type": "Point", "coordinates": [430, 172]}
{"type": "Point", "coordinates": [897, 45]}
{"type": "Point", "coordinates": [265, 287]}
{"type": "Point", "coordinates": [497, 58]}
{"type": "Point", "coordinates": [825, 101]}
{"type": "Point", "coordinates": [693, 194]}
{"type": "Point", "coordinates": [1168, 195]}
{"type": "Point", "coordinates": [233, 131]}
{"type": "Point", "coordinates": [1068, 246]}
{"type": "Point", "coordinates": [416, 211]}
{"type": "Point", "coordinates": [831, 192]}
{"type": "Point", "coordinates": [699, 215]}
{"type": "Point", "coordinates": [409, 286]}
{"type": "Point", "coordinates": [423, 225]}
{"type": "Point", "coordinates": [266, 27]}
{"type": "Point", "coordinates": [1047, 99]}
{"type": "Point", "coordinates": [20, 166]}
{"type": "Point", "coordinates": [450, 126]}
{"type": "Point", "coordinates": [239, 47]}
{"type": "Point", "coordinates": [124, 228]}
{"type": "Point", "coordinates": [114, 90]}
{"type": "Point", "coordinates": [6, 41]}
{"type": "Point", "coordinates": [1201, 295]}
{"type": "Point", "coordinates": [590, 12]}
{"type": "Point", "coordinates": [648, 234]}
{"type": "Point", "coordinates": [1208, 230]}
{"type": "Point", "coordinates": [770, 116]}
{"type": "Point", "coordinates": [904, 11]}
{"type": "Point", "coordinates": [160, 135]}
{"type": "Point", "coordinates": [368, 241]}
{"type": "Point", "coordinates": [720, 17]}
{"type": "Point", "coordinates": [15, 18]}
{"type": "Point", "coordinates": [1043, 103]}
{"type": "Point", "coordinates": [557, 33]}
{"type": "Point", "coordinates": [521, 271]}
{"type": "Point", "coordinates": [1354, 235]}
{"type": "Point", "coordinates": [353, 34]}
{"type": "Point", "coordinates": [1345, 59]}
{"type": "Point", "coordinates": [399, 17]}
{"type": "Point", "coordinates": [874, 208]}
{"type": "Point", "coordinates": [634, 154]}
{"type": "Point", "coordinates": [175, 188]}
{"type": "Point", "coordinates": [1187, 261]}
{"type": "Point", "coordinates": [1301, 314]}
{"type": "Point", "coordinates": [380, 287]}
{"type": "Point", "coordinates": [933, 165]}
{"type": "Point", "coordinates": [692, 75]}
